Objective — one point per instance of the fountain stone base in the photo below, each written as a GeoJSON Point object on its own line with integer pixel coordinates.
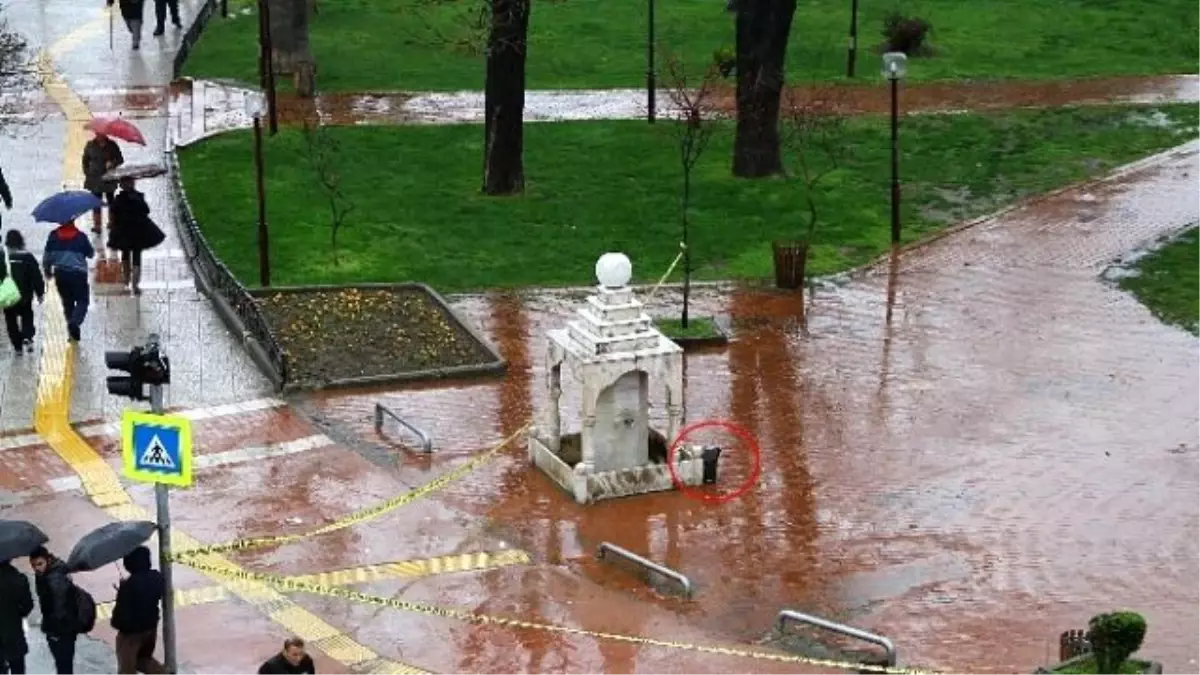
{"type": "Point", "coordinates": [588, 485]}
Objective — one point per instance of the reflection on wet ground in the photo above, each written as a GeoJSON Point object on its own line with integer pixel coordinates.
{"type": "Point", "coordinates": [969, 451]}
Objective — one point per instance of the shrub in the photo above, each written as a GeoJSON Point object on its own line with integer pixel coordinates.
{"type": "Point", "coordinates": [725, 60]}
{"type": "Point", "coordinates": [905, 34]}
{"type": "Point", "coordinates": [1115, 637]}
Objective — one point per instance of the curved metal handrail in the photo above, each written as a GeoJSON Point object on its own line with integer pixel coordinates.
{"type": "Point", "coordinates": [381, 411]}
{"type": "Point", "coordinates": [648, 564]}
{"type": "Point", "coordinates": [843, 629]}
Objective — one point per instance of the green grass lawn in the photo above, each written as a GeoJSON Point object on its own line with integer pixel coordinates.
{"type": "Point", "coordinates": [698, 328]}
{"type": "Point", "coordinates": [613, 186]}
{"type": "Point", "coordinates": [1168, 282]}
{"type": "Point", "coordinates": [431, 45]}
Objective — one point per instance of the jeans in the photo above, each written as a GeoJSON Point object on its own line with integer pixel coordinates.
{"type": "Point", "coordinates": [14, 665]}
{"type": "Point", "coordinates": [135, 652]}
{"type": "Point", "coordinates": [160, 13]}
{"type": "Point", "coordinates": [18, 319]}
{"type": "Point", "coordinates": [62, 647]}
{"type": "Point", "coordinates": [75, 292]}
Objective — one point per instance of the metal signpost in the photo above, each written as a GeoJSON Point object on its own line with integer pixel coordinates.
{"type": "Point", "coordinates": [155, 448]}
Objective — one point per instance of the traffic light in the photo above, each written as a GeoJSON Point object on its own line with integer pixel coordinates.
{"type": "Point", "coordinates": [145, 364]}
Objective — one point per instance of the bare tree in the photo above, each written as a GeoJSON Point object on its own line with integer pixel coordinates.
{"type": "Point", "coordinates": [814, 142]}
{"type": "Point", "coordinates": [691, 96]}
{"type": "Point", "coordinates": [761, 31]}
{"type": "Point", "coordinates": [504, 98]}
{"type": "Point", "coordinates": [291, 53]}
{"type": "Point", "coordinates": [322, 152]}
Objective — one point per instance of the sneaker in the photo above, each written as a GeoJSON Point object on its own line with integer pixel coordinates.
{"type": "Point", "coordinates": [73, 333]}
{"type": "Point", "coordinates": [177, 24]}
{"type": "Point", "coordinates": [158, 32]}
{"type": "Point", "coordinates": [29, 346]}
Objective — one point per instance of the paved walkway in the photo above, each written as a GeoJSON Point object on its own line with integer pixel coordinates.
{"type": "Point", "coordinates": [202, 108]}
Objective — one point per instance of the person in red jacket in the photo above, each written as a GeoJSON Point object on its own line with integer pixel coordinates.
{"type": "Point", "coordinates": [291, 660]}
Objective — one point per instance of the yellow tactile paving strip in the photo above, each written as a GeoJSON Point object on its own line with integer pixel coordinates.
{"type": "Point", "coordinates": [100, 482]}
{"type": "Point", "coordinates": [405, 569]}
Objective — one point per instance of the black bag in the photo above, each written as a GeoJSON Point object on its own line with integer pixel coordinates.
{"type": "Point", "coordinates": [85, 609]}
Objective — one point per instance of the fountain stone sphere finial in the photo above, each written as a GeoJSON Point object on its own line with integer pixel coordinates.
{"type": "Point", "coordinates": [613, 270]}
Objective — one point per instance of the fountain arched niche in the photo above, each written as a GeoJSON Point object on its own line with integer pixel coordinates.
{"type": "Point", "coordinates": [613, 353]}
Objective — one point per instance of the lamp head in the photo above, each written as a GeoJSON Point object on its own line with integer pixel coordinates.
{"type": "Point", "coordinates": [613, 270]}
{"type": "Point", "coordinates": [895, 65]}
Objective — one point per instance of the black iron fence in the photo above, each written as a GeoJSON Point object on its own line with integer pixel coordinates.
{"type": "Point", "coordinates": [239, 310]}
{"type": "Point", "coordinates": [204, 13]}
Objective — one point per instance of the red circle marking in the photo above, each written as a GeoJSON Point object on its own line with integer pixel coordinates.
{"type": "Point", "coordinates": [743, 435]}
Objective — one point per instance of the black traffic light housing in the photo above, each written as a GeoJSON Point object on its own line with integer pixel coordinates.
{"type": "Point", "coordinates": [145, 364]}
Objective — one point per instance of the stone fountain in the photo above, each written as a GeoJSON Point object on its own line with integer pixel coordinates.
{"type": "Point", "coordinates": [613, 353]}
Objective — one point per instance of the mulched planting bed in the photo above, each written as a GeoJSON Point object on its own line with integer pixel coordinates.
{"type": "Point", "coordinates": [341, 334]}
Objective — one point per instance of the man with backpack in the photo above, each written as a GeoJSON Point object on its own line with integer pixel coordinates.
{"type": "Point", "coordinates": [135, 614]}
{"type": "Point", "coordinates": [67, 610]}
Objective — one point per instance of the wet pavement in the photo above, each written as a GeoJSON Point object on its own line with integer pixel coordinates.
{"type": "Point", "coordinates": [1011, 452]}
{"type": "Point", "coordinates": [969, 450]}
{"type": "Point", "coordinates": [201, 108]}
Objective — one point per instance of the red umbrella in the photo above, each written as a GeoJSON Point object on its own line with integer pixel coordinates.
{"type": "Point", "coordinates": [116, 128]}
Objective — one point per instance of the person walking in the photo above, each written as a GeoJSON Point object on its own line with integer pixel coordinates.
{"type": "Point", "coordinates": [23, 267]}
{"type": "Point", "coordinates": [56, 597]}
{"type": "Point", "coordinates": [132, 12]}
{"type": "Point", "coordinates": [16, 602]}
{"type": "Point", "coordinates": [291, 660]}
{"type": "Point", "coordinates": [160, 14]}
{"type": "Point", "coordinates": [135, 614]}
{"type": "Point", "coordinates": [65, 258]}
{"type": "Point", "coordinates": [5, 194]}
{"type": "Point", "coordinates": [99, 155]}
{"type": "Point", "coordinates": [131, 232]}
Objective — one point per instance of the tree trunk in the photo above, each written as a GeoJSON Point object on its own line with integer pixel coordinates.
{"type": "Point", "coordinates": [290, 52]}
{"type": "Point", "coordinates": [762, 28]}
{"type": "Point", "coordinates": [504, 99]}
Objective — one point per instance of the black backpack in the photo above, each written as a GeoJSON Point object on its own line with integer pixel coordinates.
{"type": "Point", "coordinates": [85, 609]}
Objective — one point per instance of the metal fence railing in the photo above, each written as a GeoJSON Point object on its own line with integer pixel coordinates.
{"type": "Point", "coordinates": [238, 308]}
{"type": "Point", "coordinates": [662, 570]}
{"type": "Point", "coordinates": [791, 615]}
{"type": "Point", "coordinates": [382, 412]}
{"type": "Point", "coordinates": [191, 35]}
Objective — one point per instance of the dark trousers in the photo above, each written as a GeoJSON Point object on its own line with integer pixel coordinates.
{"type": "Point", "coordinates": [62, 647]}
{"type": "Point", "coordinates": [160, 13]}
{"type": "Point", "coordinates": [135, 652]}
{"type": "Point", "coordinates": [18, 319]}
{"type": "Point", "coordinates": [13, 664]}
{"type": "Point", "coordinates": [75, 292]}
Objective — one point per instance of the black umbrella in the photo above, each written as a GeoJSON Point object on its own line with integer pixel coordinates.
{"type": "Point", "coordinates": [108, 544]}
{"type": "Point", "coordinates": [18, 538]}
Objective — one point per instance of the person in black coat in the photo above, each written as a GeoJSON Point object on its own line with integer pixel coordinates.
{"type": "Point", "coordinates": [291, 660]}
{"type": "Point", "coordinates": [131, 232]}
{"type": "Point", "coordinates": [16, 602]}
{"type": "Point", "coordinates": [27, 274]}
{"type": "Point", "coordinates": [5, 195]}
{"type": "Point", "coordinates": [135, 614]}
{"type": "Point", "coordinates": [131, 12]}
{"type": "Point", "coordinates": [56, 597]}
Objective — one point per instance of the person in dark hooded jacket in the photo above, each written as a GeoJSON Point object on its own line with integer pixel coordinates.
{"type": "Point", "coordinates": [135, 614]}
{"type": "Point", "coordinates": [16, 602]}
{"type": "Point", "coordinates": [56, 597]}
{"type": "Point", "coordinates": [18, 319]}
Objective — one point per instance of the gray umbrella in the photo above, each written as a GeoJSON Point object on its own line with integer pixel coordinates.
{"type": "Point", "coordinates": [135, 171]}
{"type": "Point", "coordinates": [18, 538]}
{"type": "Point", "coordinates": [108, 544]}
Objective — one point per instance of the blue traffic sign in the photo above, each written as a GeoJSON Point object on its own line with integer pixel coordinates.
{"type": "Point", "coordinates": [157, 448]}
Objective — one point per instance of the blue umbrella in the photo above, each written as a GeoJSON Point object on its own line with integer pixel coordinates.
{"type": "Point", "coordinates": [65, 207]}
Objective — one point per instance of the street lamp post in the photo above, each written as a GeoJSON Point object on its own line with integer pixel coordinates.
{"type": "Point", "coordinates": [266, 68]}
{"type": "Point", "coordinates": [852, 49]}
{"type": "Point", "coordinates": [895, 66]}
{"type": "Point", "coordinates": [254, 109]}
{"type": "Point", "coordinates": [651, 86]}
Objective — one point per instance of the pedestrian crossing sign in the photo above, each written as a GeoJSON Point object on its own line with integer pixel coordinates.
{"type": "Point", "coordinates": [157, 448]}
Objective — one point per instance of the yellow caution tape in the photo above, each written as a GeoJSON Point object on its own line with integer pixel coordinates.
{"type": "Point", "coordinates": [360, 516]}
{"type": "Point", "coordinates": [662, 280]}
{"type": "Point", "coordinates": [297, 585]}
